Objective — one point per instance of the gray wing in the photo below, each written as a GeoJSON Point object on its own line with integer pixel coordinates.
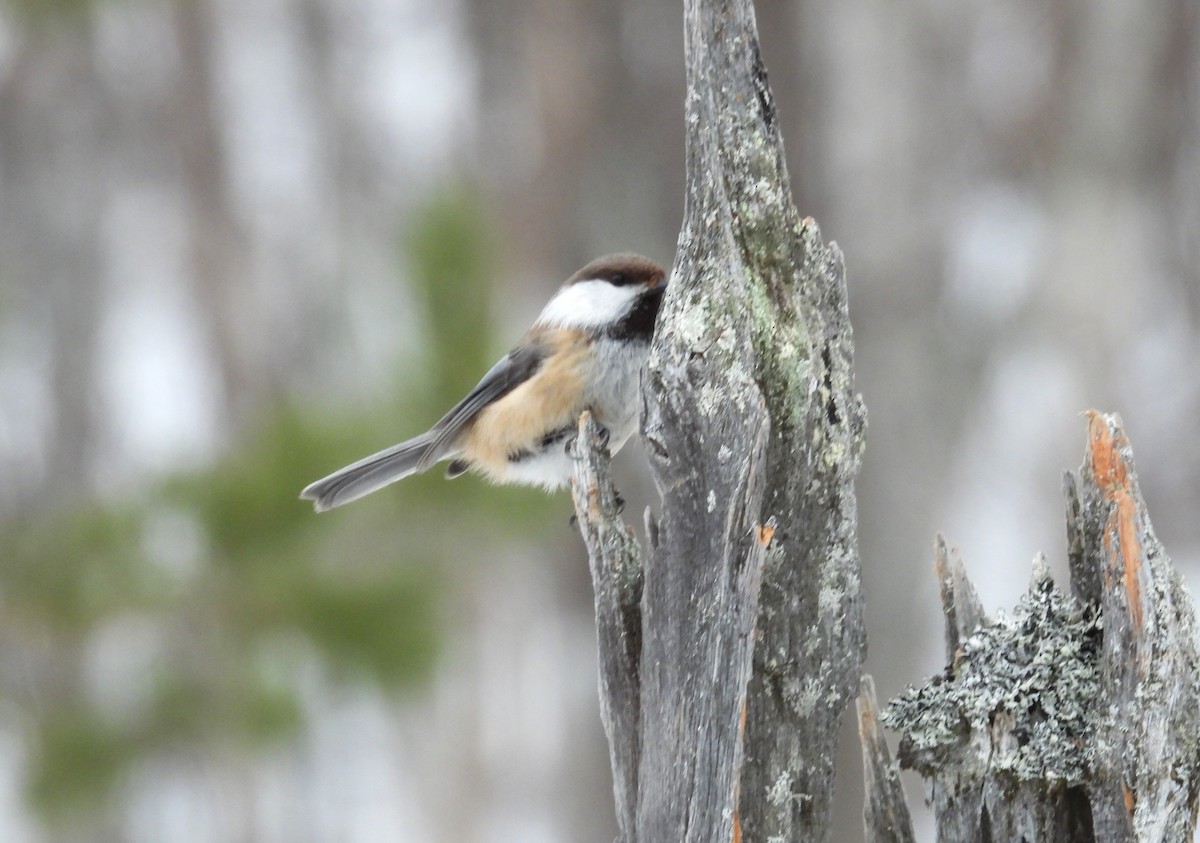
{"type": "Point", "coordinates": [516, 367]}
{"type": "Point", "coordinates": [421, 452]}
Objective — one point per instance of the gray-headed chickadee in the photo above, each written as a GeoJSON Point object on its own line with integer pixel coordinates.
{"type": "Point", "coordinates": [584, 352]}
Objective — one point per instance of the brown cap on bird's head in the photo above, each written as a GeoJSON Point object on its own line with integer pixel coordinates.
{"type": "Point", "coordinates": [621, 269]}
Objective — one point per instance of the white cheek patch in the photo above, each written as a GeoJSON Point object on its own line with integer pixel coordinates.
{"type": "Point", "coordinates": [587, 304]}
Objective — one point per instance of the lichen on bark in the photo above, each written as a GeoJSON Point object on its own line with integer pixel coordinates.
{"type": "Point", "coordinates": [1023, 687]}
{"type": "Point", "coordinates": [1078, 719]}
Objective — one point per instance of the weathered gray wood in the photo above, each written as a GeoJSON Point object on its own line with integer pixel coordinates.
{"type": "Point", "coordinates": [1077, 719]}
{"type": "Point", "coordinates": [960, 604]}
{"type": "Point", "coordinates": [751, 611]}
{"type": "Point", "coordinates": [616, 566]}
{"type": "Point", "coordinates": [885, 812]}
{"type": "Point", "coordinates": [1147, 759]}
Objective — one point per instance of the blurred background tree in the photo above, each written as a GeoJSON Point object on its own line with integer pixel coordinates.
{"type": "Point", "coordinates": [244, 243]}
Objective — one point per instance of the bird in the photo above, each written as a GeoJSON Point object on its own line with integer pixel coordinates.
{"type": "Point", "coordinates": [585, 351]}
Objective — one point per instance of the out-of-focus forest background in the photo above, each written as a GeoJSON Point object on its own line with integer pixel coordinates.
{"type": "Point", "coordinates": [243, 243]}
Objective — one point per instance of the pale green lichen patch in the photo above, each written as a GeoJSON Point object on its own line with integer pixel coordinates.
{"type": "Point", "coordinates": [839, 586]}
{"type": "Point", "coordinates": [1022, 691]}
{"type": "Point", "coordinates": [780, 793]}
{"type": "Point", "coordinates": [803, 695]}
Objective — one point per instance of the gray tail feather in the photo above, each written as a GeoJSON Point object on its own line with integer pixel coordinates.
{"type": "Point", "coordinates": [373, 472]}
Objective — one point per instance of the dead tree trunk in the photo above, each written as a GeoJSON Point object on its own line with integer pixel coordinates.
{"type": "Point", "coordinates": [729, 654]}
{"type": "Point", "coordinates": [1078, 718]}
{"type": "Point", "coordinates": [729, 649]}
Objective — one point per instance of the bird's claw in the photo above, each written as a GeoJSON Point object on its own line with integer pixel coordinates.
{"type": "Point", "coordinates": [571, 446]}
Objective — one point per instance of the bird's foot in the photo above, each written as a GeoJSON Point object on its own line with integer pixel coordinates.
{"type": "Point", "coordinates": [571, 443]}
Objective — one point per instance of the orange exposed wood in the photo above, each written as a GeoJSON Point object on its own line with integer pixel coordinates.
{"type": "Point", "coordinates": [766, 532]}
{"type": "Point", "coordinates": [866, 724]}
{"type": "Point", "coordinates": [1112, 478]}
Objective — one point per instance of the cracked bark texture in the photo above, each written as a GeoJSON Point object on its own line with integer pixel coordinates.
{"type": "Point", "coordinates": [728, 659]}
{"type": "Point", "coordinates": [1077, 718]}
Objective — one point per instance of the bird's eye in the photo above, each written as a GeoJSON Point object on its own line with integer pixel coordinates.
{"type": "Point", "coordinates": [619, 279]}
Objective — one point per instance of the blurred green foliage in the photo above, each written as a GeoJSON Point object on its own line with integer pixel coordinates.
{"type": "Point", "coordinates": [50, 14]}
{"type": "Point", "coordinates": [226, 570]}
{"type": "Point", "coordinates": [78, 760]}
